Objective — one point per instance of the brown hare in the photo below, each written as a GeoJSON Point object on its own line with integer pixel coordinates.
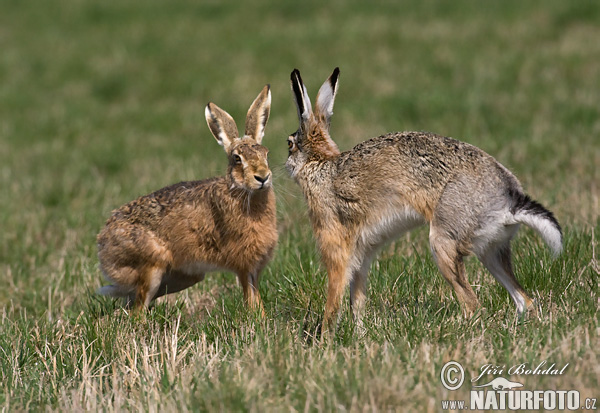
{"type": "Point", "coordinates": [360, 199]}
{"type": "Point", "coordinates": [168, 240]}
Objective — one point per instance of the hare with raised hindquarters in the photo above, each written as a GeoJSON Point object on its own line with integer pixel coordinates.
{"type": "Point", "coordinates": [360, 199]}
{"type": "Point", "coordinates": [166, 241]}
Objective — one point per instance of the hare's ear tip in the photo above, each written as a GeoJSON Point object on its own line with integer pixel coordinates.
{"type": "Point", "coordinates": [209, 111]}
{"type": "Point", "coordinates": [335, 74]}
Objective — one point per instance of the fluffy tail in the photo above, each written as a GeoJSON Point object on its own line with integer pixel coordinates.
{"type": "Point", "coordinates": [113, 291]}
{"type": "Point", "coordinates": [534, 215]}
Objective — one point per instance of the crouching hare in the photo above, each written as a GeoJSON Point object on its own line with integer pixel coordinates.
{"type": "Point", "coordinates": [360, 199]}
{"type": "Point", "coordinates": [168, 240]}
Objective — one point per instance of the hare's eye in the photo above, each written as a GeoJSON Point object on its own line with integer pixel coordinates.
{"type": "Point", "coordinates": [290, 144]}
{"type": "Point", "coordinates": [237, 159]}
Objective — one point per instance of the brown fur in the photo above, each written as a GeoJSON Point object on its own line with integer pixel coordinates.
{"type": "Point", "coordinates": [360, 199]}
{"type": "Point", "coordinates": [166, 241]}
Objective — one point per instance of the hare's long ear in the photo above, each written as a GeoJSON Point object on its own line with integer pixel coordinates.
{"type": "Point", "coordinates": [221, 125]}
{"type": "Point", "coordinates": [326, 97]}
{"type": "Point", "coordinates": [258, 115]}
{"type": "Point", "coordinates": [301, 97]}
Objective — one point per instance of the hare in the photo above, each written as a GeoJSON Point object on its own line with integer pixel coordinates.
{"type": "Point", "coordinates": [360, 199]}
{"type": "Point", "coordinates": [168, 240]}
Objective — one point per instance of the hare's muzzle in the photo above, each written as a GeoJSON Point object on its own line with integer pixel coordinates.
{"type": "Point", "coordinates": [264, 180]}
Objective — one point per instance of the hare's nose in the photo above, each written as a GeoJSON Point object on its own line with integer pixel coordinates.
{"type": "Point", "coordinates": [261, 179]}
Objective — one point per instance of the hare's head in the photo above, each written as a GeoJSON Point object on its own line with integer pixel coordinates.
{"type": "Point", "coordinates": [248, 167]}
{"type": "Point", "coordinates": [312, 140]}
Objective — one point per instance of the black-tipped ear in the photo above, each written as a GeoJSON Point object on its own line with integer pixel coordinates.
{"type": "Point", "coordinates": [258, 115]}
{"type": "Point", "coordinates": [326, 96]}
{"type": "Point", "coordinates": [221, 124]}
{"type": "Point", "coordinates": [300, 97]}
{"type": "Point", "coordinates": [333, 79]}
{"type": "Point", "coordinates": [296, 81]}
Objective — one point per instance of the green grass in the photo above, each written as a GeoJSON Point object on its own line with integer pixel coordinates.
{"type": "Point", "coordinates": [101, 102]}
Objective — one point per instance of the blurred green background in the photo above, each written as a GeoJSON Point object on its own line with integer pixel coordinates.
{"type": "Point", "coordinates": [103, 101]}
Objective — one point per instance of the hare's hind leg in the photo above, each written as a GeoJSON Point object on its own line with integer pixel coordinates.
{"type": "Point", "coordinates": [450, 262]}
{"type": "Point", "coordinates": [143, 290]}
{"type": "Point", "coordinates": [149, 283]}
{"type": "Point", "coordinates": [497, 260]}
{"type": "Point", "coordinates": [134, 259]}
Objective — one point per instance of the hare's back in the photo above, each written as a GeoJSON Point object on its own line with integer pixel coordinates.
{"type": "Point", "coordinates": [414, 167]}
{"type": "Point", "coordinates": [149, 210]}
{"type": "Point", "coordinates": [422, 148]}
{"type": "Point", "coordinates": [418, 159]}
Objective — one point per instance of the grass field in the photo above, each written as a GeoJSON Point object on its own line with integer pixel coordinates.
{"type": "Point", "coordinates": [101, 102]}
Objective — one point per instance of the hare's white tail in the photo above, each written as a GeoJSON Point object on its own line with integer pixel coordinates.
{"type": "Point", "coordinates": [113, 291]}
{"type": "Point", "coordinates": [534, 215]}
